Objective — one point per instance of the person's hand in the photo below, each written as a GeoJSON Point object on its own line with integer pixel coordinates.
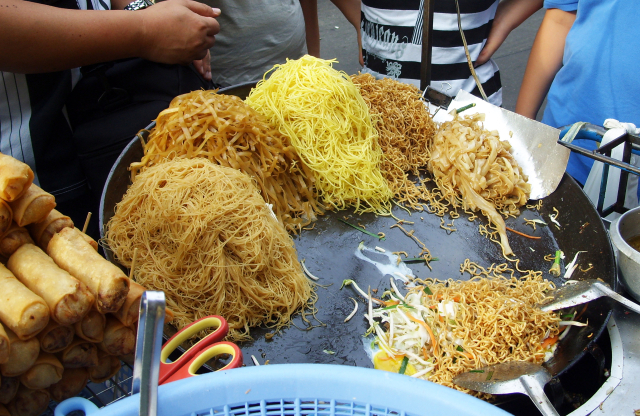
{"type": "Point", "coordinates": [496, 37]}
{"type": "Point", "coordinates": [178, 31]}
{"type": "Point", "coordinates": [203, 66]}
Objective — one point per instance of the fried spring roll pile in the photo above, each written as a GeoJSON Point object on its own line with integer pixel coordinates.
{"type": "Point", "coordinates": [67, 315]}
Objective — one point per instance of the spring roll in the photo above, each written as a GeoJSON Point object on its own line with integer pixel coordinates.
{"type": "Point", "coordinates": [4, 411]}
{"type": "Point", "coordinates": [22, 355]}
{"type": "Point", "coordinates": [13, 239]}
{"type": "Point", "coordinates": [106, 281]}
{"type": "Point", "coordinates": [21, 310]}
{"type": "Point", "coordinates": [29, 402]}
{"type": "Point", "coordinates": [33, 206]}
{"type": "Point", "coordinates": [72, 382]}
{"type": "Point", "coordinates": [108, 366]}
{"type": "Point", "coordinates": [5, 345]}
{"type": "Point", "coordinates": [42, 231]}
{"type": "Point", "coordinates": [6, 216]}
{"type": "Point", "coordinates": [93, 243]}
{"type": "Point", "coordinates": [46, 371]}
{"type": "Point", "coordinates": [91, 326]}
{"type": "Point", "coordinates": [15, 178]}
{"type": "Point", "coordinates": [118, 339]}
{"type": "Point", "coordinates": [55, 337]}
{"type": "Point", "coordinates": [8, 389]}
{"type": "Point", "coordinates": [128, 313]}
{"type": "Point", "coordinates": [129, 358]}
{"type": "Point", "coordinates": [79, 354]}
{"type": "Point", "coordinates": [68, 299]}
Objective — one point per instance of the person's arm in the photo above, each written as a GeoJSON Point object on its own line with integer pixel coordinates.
{"type": "Point", "coordinates": [509, 15]}
{"type": "Point", "coordinates": [351, 10]}
{"type": "Point", "coordinates": [40, 38]}
{"type": "Point", "coordinates": [545, 60]}
{"type": "Point", "coordinates": [312, 28]}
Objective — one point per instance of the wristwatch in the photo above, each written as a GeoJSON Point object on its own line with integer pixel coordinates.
{"type": "Point", "coordinates": [138, 5]}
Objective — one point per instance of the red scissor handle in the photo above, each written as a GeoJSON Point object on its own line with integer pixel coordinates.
{"type": "Point", "coordinates": [212, 321]}
{"type": "Point", "coordinates": [190, 368]}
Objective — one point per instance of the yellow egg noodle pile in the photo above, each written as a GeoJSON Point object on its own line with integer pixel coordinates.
{"type": "Point", "coordinates": [405, 128]}
{"type": "Point", "coordinates": [205, 237]}
{"type": "Point", "coordinates": [328, 122]}
{"type": "Point", "coordinates": [223, 129]}
{"type": "Point", "coordinates": [473, 169]}
{"type": "Point", "coordinates": [489, 319]}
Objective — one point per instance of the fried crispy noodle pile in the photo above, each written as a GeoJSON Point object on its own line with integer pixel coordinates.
{"type": "Point", "coordinates": [449, 327]}
{"type": "Point", "coordinates": [223, 129]}
{"type": "Point", "coordinates": [473, 169]}
{"type": "Point", "coordinates": [205, 237]}
{"type": "Point", "coordinates": [329, 124]}
{"type": "Point", "coordinates": [405, 128]}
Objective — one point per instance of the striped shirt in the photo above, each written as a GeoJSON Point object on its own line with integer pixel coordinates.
{"type": "Point", "coordinates": [392, 44]}
{"type": "Point", "coordinates": [33, 124]}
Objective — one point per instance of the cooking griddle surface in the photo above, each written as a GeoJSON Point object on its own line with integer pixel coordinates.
{"type": "Point", "coordinates": [328, 250]}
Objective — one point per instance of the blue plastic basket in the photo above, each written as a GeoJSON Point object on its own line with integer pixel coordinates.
{"type": "Point", "coordinates": [298, 389]}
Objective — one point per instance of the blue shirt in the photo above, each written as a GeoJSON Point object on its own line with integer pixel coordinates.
{"type": "Point", "coordinates": [599, 77]}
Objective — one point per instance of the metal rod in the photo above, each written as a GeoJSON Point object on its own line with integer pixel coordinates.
{"type": "Point", "coordinates": [147, 357]}
{"type": "Point", "coordinates": [607, 148]}
{"type": "Point", "coordinates": [596, 156]}
{"type": "Point", "coordinates": [427, 42]}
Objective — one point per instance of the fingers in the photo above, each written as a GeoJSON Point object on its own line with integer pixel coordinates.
{"type": "Point", "coordinates": [206, 66]}
{"type": "Point", "coordinates": [202, 9]}
{"type": "Point", "coordinates": [203, 66]}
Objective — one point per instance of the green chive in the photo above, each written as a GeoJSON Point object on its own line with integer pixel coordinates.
{"type": "Point", "coordinates": [427, 290]}
{"type": "Point", "coordinates": [459, 348]}
{"type": "Point", "coordinates": [403, 366]}
{"type": "Point", "coordinates": [466, 107]}
{"type": "Point", "coordinates": [362, 230]}
{"type": "Point", "coordinates": [489, 375]}
{"type": "Point", "coordinates": [389, 307]}
{"type": "Point", "coordinates": [476, 371]}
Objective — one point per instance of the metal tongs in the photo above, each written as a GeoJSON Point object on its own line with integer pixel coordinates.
{"type": "Point", "coordinates": [582, 292]}
{"type": "Point", "coordinates": [147, 357]}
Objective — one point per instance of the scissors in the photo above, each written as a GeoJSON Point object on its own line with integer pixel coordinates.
{"type": "Point", "coordinates": [204, 350]}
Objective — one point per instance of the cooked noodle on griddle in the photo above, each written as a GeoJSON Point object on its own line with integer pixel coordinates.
{"type": "Point", "coordinates": [223, 129]}
{"type": "Point", "coordinates": [206, 237]}
{"type": "Point", "coordinates": [473, 169]}
{"type": "Point", "coordinates": [445, 328]}
{"type": "Point", "coordinates": [405, 128]}
{"type": "Point", "coordinates": [328, 122]}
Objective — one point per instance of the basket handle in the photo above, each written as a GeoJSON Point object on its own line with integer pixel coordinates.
{"type": "Point", "coordinates": [74, 404]}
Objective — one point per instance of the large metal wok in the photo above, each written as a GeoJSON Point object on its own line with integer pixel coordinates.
{"type": "Point", "coordinates": [329, 253]}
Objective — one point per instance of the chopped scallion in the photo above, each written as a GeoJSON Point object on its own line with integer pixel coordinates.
{"type": "Point", "coordinates": [380, 237]}
{"type": "Point", "coordinates": [403, 366]}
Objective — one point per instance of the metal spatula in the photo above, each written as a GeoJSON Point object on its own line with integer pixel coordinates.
{"type": "Point", "coordinates": [511, 377]}
{"type": "Point", "coordinates": [582, 292]}
{"type": "Point", "coordinates": [534, 145]}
